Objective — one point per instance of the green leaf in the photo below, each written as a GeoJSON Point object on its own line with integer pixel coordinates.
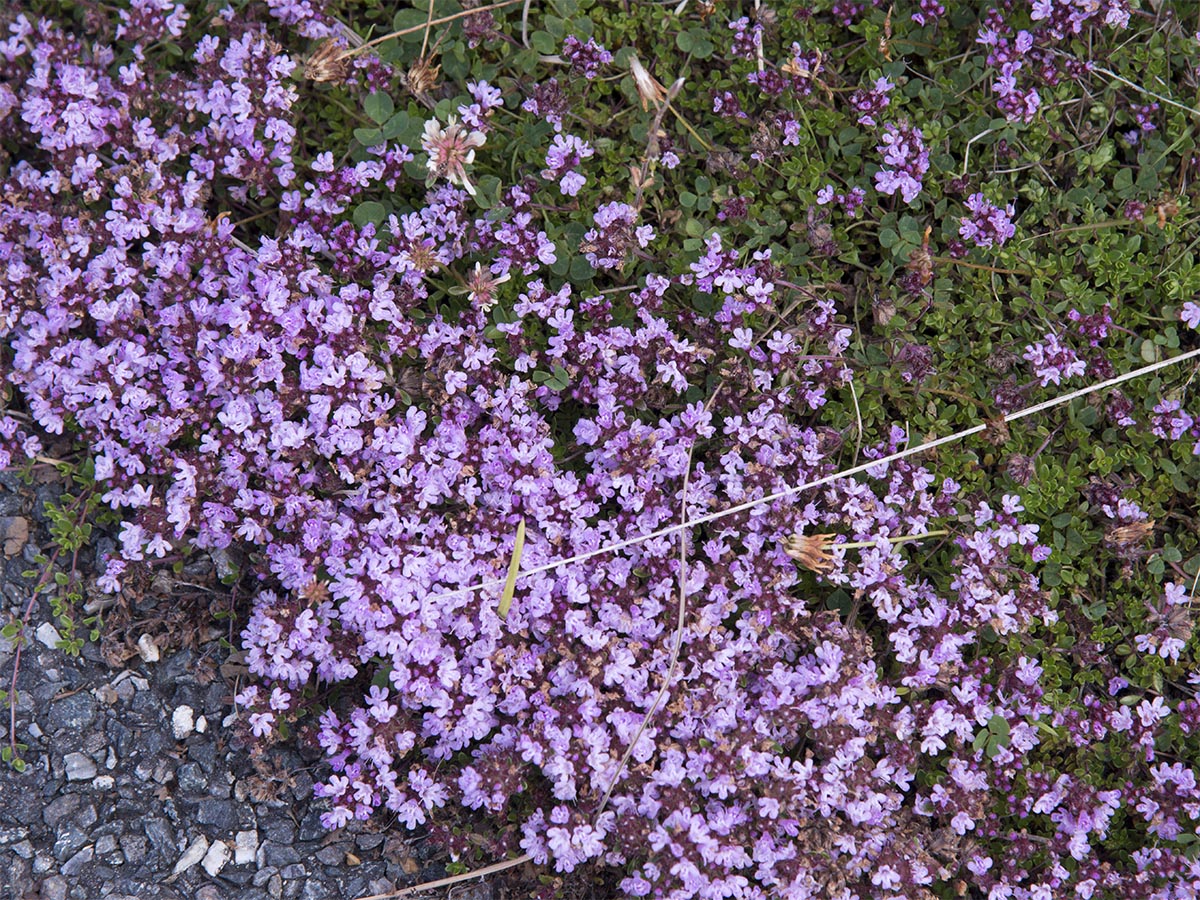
{"type": "Point", "coordinates": [514, 566]}
{"type": "Point", "coordinates": [411, 18]}
{"type": "Point", "coordinates": [379, 106]}
{"type": "Point", "coordinates": [998, 725]}
{"type": "Point", "coordinates": [581, 269]}
{"type": "Point", "coordinates": [369, 211]}
{"type": "Point", "coordinates": [368, 137]}
{"type": "Point", "coordinates": [396, 125]}
{"type": "Point", "coordinates": [487, 191]}
{"type": "Point", "coordinates": [543, 42]}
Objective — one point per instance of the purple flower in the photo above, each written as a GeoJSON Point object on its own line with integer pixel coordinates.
{"type": "Point", "coordinates": [565, 154]}
{"type": "Point", "coordinates": [1052, 361]}
{"type": "Point", "coordinates": [905, 161]}
{"type": "Point", "coordinates": [988, 225]}
{"type": "Point", "coordinates": [586, 59]}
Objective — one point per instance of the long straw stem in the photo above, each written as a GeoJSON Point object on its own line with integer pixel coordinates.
{"type": "Point", "coordinates": [827, 479]}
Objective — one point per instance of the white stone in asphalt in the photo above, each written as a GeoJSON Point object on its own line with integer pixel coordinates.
{"type": "Point", "coordinates": [192, 855]}
{"type": "Point", "coordinates": [79, 767]}
{"type": "Point", "coordinates": [182, 722]}
{"type": "Point", "coordinates": [245, 845]}
{"type": "Point", "coordinates": [215, 858]}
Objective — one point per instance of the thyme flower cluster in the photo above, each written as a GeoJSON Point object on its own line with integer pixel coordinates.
{"type": "Point", "coordinates": [780, 703]}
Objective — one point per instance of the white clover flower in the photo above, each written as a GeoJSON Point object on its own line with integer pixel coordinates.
{"type": "Point", "coordinates": [451, 149]}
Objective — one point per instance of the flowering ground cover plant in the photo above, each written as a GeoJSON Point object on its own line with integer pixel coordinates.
{"type": "Point", "coordinates": [368, 293]}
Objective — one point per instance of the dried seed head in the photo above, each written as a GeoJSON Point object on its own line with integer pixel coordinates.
{"type": "Point", "coordinates": [768, 18]}
{"type": "Point", "coordinates": [1001, 361]}
{"type": "Point", "coordinates": [316, 591]}
{"type": "Point", "coordinates": [1178, 620]}
{"type": "Point", "coordinates": [765, 141]}
{"type": "Point", "coordinates": [811, 551]}
{"type": "Point", "coordinates": [422, 76]}
{"type": "Point", "coordinates": [725, 162]}
{"type": "Point", "coordinates": [649, 90]}
{"type": "Point", "coordinates": [1126, 536]}
{"type": "Point", "coordinates": [920, 261]}
{"type": "Point", "coordinates": [883, 309]}
{"type": "Point", "coordinates": [996, 432]}
{"type": "Point", "coordinates": [327, 63]}
{"type": "Point", "coordinates": [1020, 468]}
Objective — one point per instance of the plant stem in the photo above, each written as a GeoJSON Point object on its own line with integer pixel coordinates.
{"type": "Point", "coordinates": [443, 20]}
{"type": "Point", "coordinates": [856, 545]}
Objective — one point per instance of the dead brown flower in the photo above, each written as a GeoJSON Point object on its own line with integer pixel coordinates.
{"type": "Point", "coordinates": [1127, 536]}
{"type": "Point", "coordinates": [811, 551]}
{"type": "Point", "coordinates": [422, 77]}
{"type": "Point", "coordinates": [326, 63]}
{"type": "Point", "coordinates": [316, 591]}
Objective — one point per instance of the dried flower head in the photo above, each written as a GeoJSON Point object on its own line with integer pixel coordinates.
{"type": "Point", "coordinates": [1177, 619]}
{"type": "Point", "coordinates": [649, 90]}
{"type": "Point", "coordinates": [315, 591]}
{"type": "Point", "coordinates": [451, 149]}
{"type": "Point", "coordinates": [1124, 537]}
{"type": "Point", "coordinates": [327, 63]}
{"type": "Point", "coordinates": [920, 261]}
{"type": "Point", "coordinates": [811, 551]}
{"type": "Point", "coordinates": [422, 77]}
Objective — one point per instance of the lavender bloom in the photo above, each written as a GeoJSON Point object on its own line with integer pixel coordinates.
{"type": "Point", "coordinates": [870, 103]}
{"type": "Point", "coordinates": [586, 59]}
{"type": "Point", "coordinates": [607, 245]}
{"type": "Point", "coordinates": [905, 161]}
{"type": "Point", "coordinates": [988, 225]}
{"type": "Point", "coordinates": [565, 154]}
{"type": "Point", "coordinates": [1053, 362]}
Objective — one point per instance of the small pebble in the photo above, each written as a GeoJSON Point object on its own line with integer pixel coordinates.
{"type": "Point", "coordinates": [201, 725]}
{"type": "Point", "coordinates": [34, 730]}
{"type": "Point", "coordinates": [245, 845]}
{"type": "Point", "coordinates": [182, 722]}
{"type": "Point", "coordinates": [48, 635]}
{"type": "Point", "coordinates": [14, 531]}
{"type": "Point", "coordinates": [79, 767]}
{"type": "Point", "coordinates": [192, 855]}
{"type": "Point", "coordinates": [75, 864]}
{"type": "Point", "coordinates": [54, 888]}
{"type": "Point", "coordinates": [103, 782]}
{"type": "Point", "coordinates": [147, 649]}
{"type": "Point", "coordinates": [215, 859]}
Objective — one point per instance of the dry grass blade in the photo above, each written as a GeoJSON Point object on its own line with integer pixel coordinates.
{"type": "Point", "coordinates": [450, 881]}
{"type": "Point", "coordinates": [676, 644]}
{"type": "Point", "coordinates": [442, 21]}
{"type": "Point", "coordinates": [1060, 400]}
{"type": "Point", "coordinates": [514, 566]}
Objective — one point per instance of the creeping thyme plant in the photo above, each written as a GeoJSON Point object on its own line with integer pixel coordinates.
{"type": "Point", "coordinates": [364, 289]}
